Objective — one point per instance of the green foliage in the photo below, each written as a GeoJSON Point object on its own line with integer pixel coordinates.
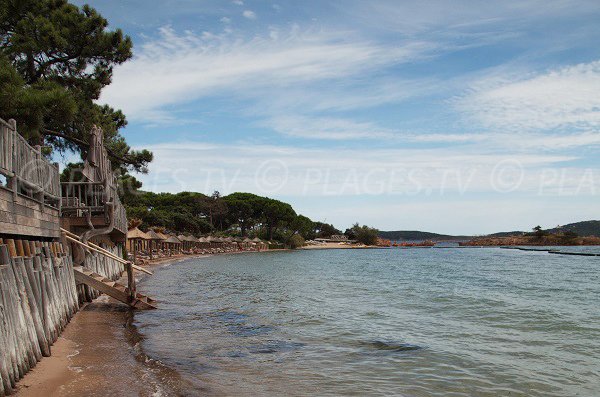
{"type": "Point", "coordinates": [301, 225]}
{"type": "Point", "coordinates": [244, 209]}
{"type": "Point", "coordinates": [324, 230]}
{"type": "Point", "coordinates": [217, 210]}
{"type": "Point", "coordinates": [584, 228]}
{"type": "Point", "coordinates": [570, 235]}
{"type": "Point", "coordinates": [275, 214]}
{"type": "Point", "coordinates": [73, 172]}
{"type": "Point", "coordinates": [365, 234]}
{"type": "Point", "coordinates": [350, 234]}
{"type": "Point", "coordinates": [55, 58]}
{"type": "Point", "coordinates": [182, 212]}
{"type": "Point", "coordinates": [539, 232]}
{"type": "Point", "coordinates": [31, 104]}
{"type": "Point", "coordinates": [235, 214]}
{"type": "Point", "coordinates": [296, 241]}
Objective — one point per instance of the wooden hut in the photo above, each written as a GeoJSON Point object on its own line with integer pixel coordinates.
{"type": "Point", "coordinates": [137, 241]}
{"type": "Point", "coordinates": [155, 240]}
{"type": "Point", "coordinates": [195, 242]}
{"type": "Point", "coordinates": [173, 244]}
{"type": "Point", "coordinates": [260, 245]}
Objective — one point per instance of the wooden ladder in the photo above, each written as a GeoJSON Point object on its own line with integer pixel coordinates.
{"type": "Point", "coordinates": [112, 289]}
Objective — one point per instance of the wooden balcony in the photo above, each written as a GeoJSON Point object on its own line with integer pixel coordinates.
{"type": "Point", "coordinates": [93, 202]}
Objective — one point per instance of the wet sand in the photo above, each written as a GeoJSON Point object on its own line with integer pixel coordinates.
{"type": "Point", "coordinates": [98, 354]}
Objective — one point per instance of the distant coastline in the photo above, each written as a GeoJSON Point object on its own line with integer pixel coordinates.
{"type": "Point", "coordinates": [550, 240]}
{"type": "Point", "coordinates": [572, 234]}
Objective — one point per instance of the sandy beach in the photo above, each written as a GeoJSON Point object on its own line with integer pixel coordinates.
{"type": "Point", "coordinates": [98, 355]}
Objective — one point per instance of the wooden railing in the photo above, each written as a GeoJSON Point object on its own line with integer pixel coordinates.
{"type": "Point", "coordinates": [25, 166]}
{"type": "Point", "coordinates": [120, 216]}
{"type": "Point", "coordinates": [80, 198]}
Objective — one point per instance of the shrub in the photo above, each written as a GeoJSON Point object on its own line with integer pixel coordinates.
{"type": "Point", "coordinates": [296, 241]}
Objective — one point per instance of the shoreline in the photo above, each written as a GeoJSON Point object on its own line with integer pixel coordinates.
{"type": "Point", "coordinates": [99, 354]}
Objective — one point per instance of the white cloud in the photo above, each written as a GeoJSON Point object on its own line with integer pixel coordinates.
{"type": "Point", "coordinates": [341, 172]}
{"type": "Point", "coordinates": [326, 127]}
{"type": "Point", "coordinates": [226, 20]}
{"type": "Point", "coordinates": [177, 68]}
{"type": "Point", "coordinates": [249, 14]}
{"type": "Point", "coordinates": [418, 17]}
{"type": "Point", "coordinates": [443, 190]}
{"type": "Point", "coordinates": [551, 142]}
{"type": "Point", "coordinates": [564, 98]}
{"type": "Point", "coordinates": [238, 2]}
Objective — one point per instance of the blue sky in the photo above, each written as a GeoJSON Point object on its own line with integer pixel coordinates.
{"type": "Point", "coordinates": [454, 117]}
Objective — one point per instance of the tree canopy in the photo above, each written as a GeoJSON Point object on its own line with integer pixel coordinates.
{"type": "Point", "coordinates": [239, 214]}
{"type": "Point", "coordinates": [55, 59]}
{"type": "Point", "coordinates": [363, 234]}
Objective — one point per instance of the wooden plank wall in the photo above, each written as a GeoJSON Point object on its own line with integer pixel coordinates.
{"type": "Point", "coordinates": [23, 216]}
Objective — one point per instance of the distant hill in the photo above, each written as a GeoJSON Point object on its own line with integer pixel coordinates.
{"type": "Point", "coordinates": [506, 234]}
{"type": "Point", "coordinates": [415, 235]}
{"type": "Point", "coordinates": [584, 228]}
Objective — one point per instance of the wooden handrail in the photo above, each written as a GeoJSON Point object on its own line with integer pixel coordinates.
{"type": "Point", "coordinates": [102, 251]}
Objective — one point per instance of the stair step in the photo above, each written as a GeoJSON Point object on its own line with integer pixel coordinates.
{"type": "Point", "coordinates": [111, 288]}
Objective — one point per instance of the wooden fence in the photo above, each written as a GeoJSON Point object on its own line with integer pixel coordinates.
{"type": "Point", "coordinates": [26, 165]}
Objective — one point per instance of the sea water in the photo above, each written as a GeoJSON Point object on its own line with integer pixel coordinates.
{"type": "Point", "coordinates": [411, 322]}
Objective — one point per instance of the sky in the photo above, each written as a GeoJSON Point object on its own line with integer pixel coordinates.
{"type": "Point", "coordinates": [461, 117]}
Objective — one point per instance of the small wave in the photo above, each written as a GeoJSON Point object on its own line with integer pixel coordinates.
{"type": "Point", "coordinates": [391, 346]}
{"type": "Point", "coordinates": [276, 346]}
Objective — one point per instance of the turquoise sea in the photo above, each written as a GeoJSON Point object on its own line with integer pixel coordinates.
{"type": "Point", "coordinates": [405, 322]}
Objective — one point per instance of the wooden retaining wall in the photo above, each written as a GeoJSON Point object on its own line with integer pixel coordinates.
{"type": "Point", "coordinates": [38, 298]}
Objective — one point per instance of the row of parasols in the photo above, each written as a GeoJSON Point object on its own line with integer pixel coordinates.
{"type": "Point", "coordinates": [139, 241]}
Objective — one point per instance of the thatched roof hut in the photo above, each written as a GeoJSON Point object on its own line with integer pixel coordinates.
{"type": "Point", "coordinates": [137, 234]}
{"type": "Point", "coordinates": [154, 236]}
{"type": "Point", "coordinates": [172, 240]}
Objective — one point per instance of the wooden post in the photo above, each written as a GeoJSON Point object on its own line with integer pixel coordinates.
{"type": "Point", "coordinates": [135, 251]}
{"type": "Point", "coordinates": [19, 245]}
{"type": "Point", "coordinates": [12, 250]}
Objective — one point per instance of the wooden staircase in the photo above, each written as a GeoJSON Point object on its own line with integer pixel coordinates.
{"type": "Point", "coordinates": [112, 289]}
